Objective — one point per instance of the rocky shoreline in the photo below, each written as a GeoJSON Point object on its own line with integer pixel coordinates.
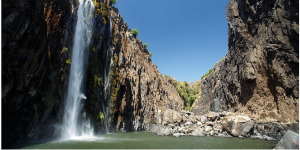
{"type": "Point", "coordinates": [223, 124]}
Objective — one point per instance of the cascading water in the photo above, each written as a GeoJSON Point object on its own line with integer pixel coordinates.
{"type": "Point", "coordinates": [75, 122]}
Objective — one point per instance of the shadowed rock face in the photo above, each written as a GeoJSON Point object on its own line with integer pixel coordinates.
{"type": "Point", "coordinates": [260, 74]}
{"type": "Point", "coordinates": [37, 40]}
{"type": "Point", "coordinates": [32, 87]}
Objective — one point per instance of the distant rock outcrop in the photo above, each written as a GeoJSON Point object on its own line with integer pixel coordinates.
{"type": "Point", "coordinates": [260, 74]}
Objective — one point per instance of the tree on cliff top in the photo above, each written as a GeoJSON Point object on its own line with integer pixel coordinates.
{"type": "Point", "coordinates": [114, 2]}
{"type": "Point", "coordinates": [135, 32]}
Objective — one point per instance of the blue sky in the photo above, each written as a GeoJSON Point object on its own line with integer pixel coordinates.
{"type": "Point", "coordinates": [186, 37]}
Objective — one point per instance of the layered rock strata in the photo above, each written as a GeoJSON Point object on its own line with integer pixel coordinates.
{"type": "Point", "coordinates": [260, 74]}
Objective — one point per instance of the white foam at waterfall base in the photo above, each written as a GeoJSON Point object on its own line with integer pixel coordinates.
{"type": "Point", "coordinates": [75, 124]}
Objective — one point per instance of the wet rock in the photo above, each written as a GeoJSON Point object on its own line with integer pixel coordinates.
{"type": "Point", "coordinates": [177, 134]}
{"type": "Point", "coordinates": [211, 133]}
{"type": "Point", "coordinates": [223, 135]}
{"type": "Point", "coordinates": [257, 136]}
{"type": "Point", "coordinates": [198, 133]}
{"type": "Point", "coordinates": [268, 138]}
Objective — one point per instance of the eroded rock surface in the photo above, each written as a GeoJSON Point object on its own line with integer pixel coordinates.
{"type": "Point", "coordinates": [260, 74]}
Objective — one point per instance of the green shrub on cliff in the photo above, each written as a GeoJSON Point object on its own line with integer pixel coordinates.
{"type": "Point", "coordinates": [145, 46]}
{"type": "Point", "coordinates": [101, 116]}
{"type": "Point", "coordinates": [167, 76]}
{"type": "Point", "coordinates": [135, 32]}
{"type": "Point", "coordinates": [114, 2]}
{"type": "Point", "coordinates": [150, 53]}
{"type": "Point", "coordinates": [187, 91]}
{"type": "Point", "coordinates": [210, 71]}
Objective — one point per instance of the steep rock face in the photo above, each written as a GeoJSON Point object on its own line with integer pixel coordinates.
{"type": "Point", "coordinates": [32, 86]}
{"type": "Point", "coordinates": [210, 98]}
{"type": "Point", "coordinates": [121, 80]}
{"type": "Point", "coordinates": [260, 75]}
{"type": "Point", "coordinates": [140, 94]}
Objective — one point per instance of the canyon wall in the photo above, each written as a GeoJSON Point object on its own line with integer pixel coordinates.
{"type": "Point", "coordinates": [37, 40]}
{"type": "Point", "coordinates": [260, 74]}
{"type": "Point", "coordinates": [138, 94]}
{"type": "Point", "coordinates": [32, 67]}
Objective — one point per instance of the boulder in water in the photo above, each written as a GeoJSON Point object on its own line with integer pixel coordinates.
{"type": "Point", "coordinates": [177, 134]}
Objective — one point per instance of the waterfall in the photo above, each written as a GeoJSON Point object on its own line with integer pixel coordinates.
{"type": "Point", "coordinates": [106, 89]}
{"type": "Point", "coordinates": [75, 121]}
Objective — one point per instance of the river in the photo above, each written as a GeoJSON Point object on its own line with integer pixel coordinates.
{"type": "Point", "coordinates": [145, 140]}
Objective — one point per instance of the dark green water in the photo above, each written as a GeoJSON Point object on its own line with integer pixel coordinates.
{"type": "Point", "coordinates": [145, 140]}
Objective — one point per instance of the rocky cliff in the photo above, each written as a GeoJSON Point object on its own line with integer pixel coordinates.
{"type": "Point", "coordinates": [260, 74]}
{"type": "Point", "coordinates": [37, 40]}
{"type": "Point", "coordinates": [32, 86]}
{"type": "Point", "coordinates": [210, 98]}
{"type": "Point", "coordinates": [139, 93]}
